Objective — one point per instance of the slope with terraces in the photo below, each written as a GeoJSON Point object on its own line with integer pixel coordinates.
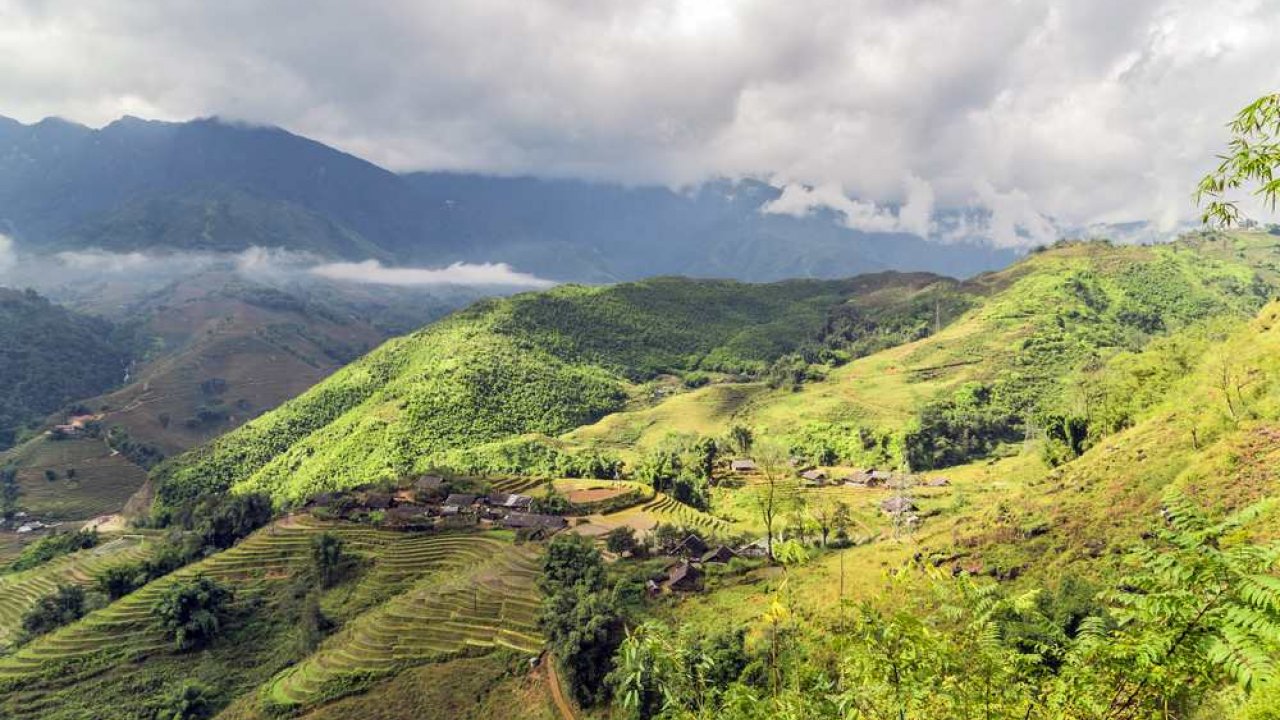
{"type": "Point", "coordinates": [405, 573]}
{"type": "Point", "coordinates": [20, 591]}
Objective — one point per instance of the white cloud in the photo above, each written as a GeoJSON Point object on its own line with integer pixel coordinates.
{"type": "Point", "coordinates": [8, 257]}
{"type": "Point", "coordinates": [1085, 111]}
{"type": "Point", "coordinates": [374, 272]}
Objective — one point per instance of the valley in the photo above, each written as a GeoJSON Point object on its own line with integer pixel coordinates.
{"type": "Point", "coordinates": [910, 439]}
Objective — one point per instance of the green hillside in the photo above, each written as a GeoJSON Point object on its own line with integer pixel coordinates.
{"type": "Point", "coordinates": [50, 357]}
{"type": "Point", "coordinates": [537, 363]}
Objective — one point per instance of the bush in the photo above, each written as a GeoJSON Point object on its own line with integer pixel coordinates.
{"type": "Point", "coordinates": [193, 612]}
{"type": "Point", "coordinates": [52, 546]}
{"type": "Point", "coordinates": [61, 607]}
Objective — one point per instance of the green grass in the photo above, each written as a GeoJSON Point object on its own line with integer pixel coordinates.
{"type": "Point", "coordinates": [102, 484]}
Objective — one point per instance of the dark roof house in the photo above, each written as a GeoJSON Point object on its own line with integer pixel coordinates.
{"type": "Point", "coordinates": [743, 466]}
{"type": "Point", "coordinates": [377, 500]}
{"type": "Point", "coordinates": [816, 477]}
{"type": "Point", "coordinates": [428, 483]}
{"type": "Point", "coordinates": [510, 501]}
{"type": "Point", "coordinates": [684, 577]}
{"type": "Point", "coordinates": [460, 500]}
{"type": "Point", "coordinates": [517, 520]}
{"type": "Point", "coordinates": [720, 554]}
{"type": "Point", "coordinates": [691, 546]}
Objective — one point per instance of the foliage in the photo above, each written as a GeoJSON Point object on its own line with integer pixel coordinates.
{"type": "Point", "coordinates": [192, 612]}
{"type": "Point", "coordinates": [581, 615]}
{"type": "Point", "coordinates": [187, 701]}
{"type": "Point", "coordinates": [61, 607]}
{"type": "Point", "coordinates": [621, 540]}
{"type": "Point", "coordinates": [51, 357]}
{"type": "Point", "coordinates": [52, 546]}
{"type": "Point", "coordinates": [327, 556]}
{"type": "Point", "coordinates": [1253, 154]}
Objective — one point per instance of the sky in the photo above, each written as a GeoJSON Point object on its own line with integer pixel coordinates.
{"type": "Point", "coordinates": [1043, 112]}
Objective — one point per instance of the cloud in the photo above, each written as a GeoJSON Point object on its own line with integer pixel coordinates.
{"type": "Point", "coordinates": [266, 265]}
{"type": "Point", "coordinates": [8, 258]}
{"type": "Point", "coordinates": [374, 272]}
{"type": "Point", "coordinates": [1085, 111]}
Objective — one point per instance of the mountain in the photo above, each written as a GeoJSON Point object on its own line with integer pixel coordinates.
{"type": "Point", "coordinates": [51, 357]}
{"type": "Point", "coordinates": [210, 185]}
{"type": "Point", "coordinates": [1054, 444]}
{"type": "Point", "coordinates": [206, 353]}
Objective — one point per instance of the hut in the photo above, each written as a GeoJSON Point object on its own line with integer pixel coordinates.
{"type": "Point", "coordinates": [684, 577]}
{"type": "Point", "coordinates": [757, 549]}
{"type": "Point", "coordinates": [691, 547]}
{"type": "Point", "coordinates": [814, 477]}
{"type": "Point", "coordinates": [720, 554]}
{"type": "Point", "coordinates": [510, 501]}
{"type": "Point", "coordinates": [938, 482]}
{"type": "Point", "coordinates": [745, 465]}
{"type": "Point", "coordinates": [533, 521]}
{"type": "Point", "coordinates": [897, 505]}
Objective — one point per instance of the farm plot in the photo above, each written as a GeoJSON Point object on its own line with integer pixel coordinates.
{"type": "Point", "coordinates": [19, 592]}
{"type": "Point", "coordinates": [482, 598]}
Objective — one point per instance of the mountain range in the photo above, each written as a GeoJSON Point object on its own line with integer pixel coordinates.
{"type": "Point", "coordinates": [212, 185]}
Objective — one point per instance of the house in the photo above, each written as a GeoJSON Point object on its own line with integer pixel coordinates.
{"type": "Point", "coordinates": [859, 478]}
{"type": "Point", "coordinates": [876, 478]}
{"type": "Point", "coordinates": [691, 546]}
{"type": "Point", "coordinates": [743, 466]}
{"type": "Point", "coordinates": [321, 500]}
{"type": "Point", "coordinates": [429, 486]}
{"type": "Point", "coordinates": [897, 505]}
{"type": "Point", "coordinates": [458, 502]}
{"type": "Point", "coordinates": [408, 516]}
{"type": "Point", "coordinates": [510, 501]}
{"type": "Point", "coordinates": [814, 477]}
{"type": "Point", "coordinates": [757, 549]}
{"type": "Point", "coordinates": [938, 482]}
{"type": "Point", "coordinates": [533, 521]}
{"type": "Point", "coordinates": [720, 554]}
{"type": "Point", "coordinates": [377, 501]}
{"type": "Point", "coordinates": [684, 577]}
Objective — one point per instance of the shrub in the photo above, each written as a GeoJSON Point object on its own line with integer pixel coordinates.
{"type": "Point", "coordinates": [193, 612]}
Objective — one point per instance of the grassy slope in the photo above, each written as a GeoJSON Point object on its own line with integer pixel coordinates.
{"type": "Point", "coordinates": [536, 363]}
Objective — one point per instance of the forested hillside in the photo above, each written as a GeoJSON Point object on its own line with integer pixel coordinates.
{"type": "Point", "coordinates": [50, 356]}
{"type": "Point", "coordinates": [537, 363]}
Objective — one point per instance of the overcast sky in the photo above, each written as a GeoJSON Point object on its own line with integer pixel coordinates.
{"type": "Point", "coordinates": [1081, 110]}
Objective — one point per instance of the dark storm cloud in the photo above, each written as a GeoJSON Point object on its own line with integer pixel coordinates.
{"type": "Point", "coordinates": [1078, 110]}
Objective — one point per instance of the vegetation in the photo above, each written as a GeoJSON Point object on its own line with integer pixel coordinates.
{"type": "Point", "coordinates": [192, 613]}
{"type": "Point", "coordinates": [63, 606]}
{"type": "Point", "coordinates": [52, 357]}
{"type": "Point", "coordinates": [52, 546]}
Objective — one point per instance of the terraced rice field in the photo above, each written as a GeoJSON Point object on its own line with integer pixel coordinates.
{"type": "Point", "coordinates": [667, 509]}
{"type": "Point", "coordinates": [19, 592]}
{"type": "Point", "coordinates": [482, 597]}
{"type": "Point", "coordinates": [520, 485]}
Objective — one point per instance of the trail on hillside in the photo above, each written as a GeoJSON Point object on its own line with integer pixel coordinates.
{"type": "Point", "coordinates": [557, 694]}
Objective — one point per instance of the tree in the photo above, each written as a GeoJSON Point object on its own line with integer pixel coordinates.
{"type": "Point", "coordinates": [188, 701]}
{"type": "Point", "coordinates": [9, 493]}
{"type": "Point", "coordinates": [742, 438]}
{"type": "Point", "coordinates": [772, 493]}
{"type": "Point", "coordinates": [841, 519]}
{"type": "Point", "coordinates": [60, 607]}
{"type": "Point", "coordinates": [50, 475]}
{"type": "Point", "coordinates": [703, 458]}
{"type": "Point", "coordinates": [823, 511]}
{"type": "Point", "coordinates": [581, 615]}
{"type": "Point", "coordinates": [1252, 159]}
{"type": "Point", "coordinates": [327, 556]}
{"type": "Point", "coordinates": [193, 612]}
{"type": "Point", "coordinates": [119, 580]}
{"type": "Point", "coordinates": [621, 540]}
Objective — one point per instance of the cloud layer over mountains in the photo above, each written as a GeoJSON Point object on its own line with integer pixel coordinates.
{"type": "Point", "coordinates": [1079, 111]}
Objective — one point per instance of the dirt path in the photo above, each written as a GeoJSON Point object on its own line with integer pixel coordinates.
{"type": "Point", "coordinates": [557, 694]}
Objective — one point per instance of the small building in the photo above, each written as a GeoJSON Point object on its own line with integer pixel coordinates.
{"type": "Point", "coordinates": [876, 478]}
{"type": "Point", "coordinates": [691, 547]}
{"type": "Point", "coordinates": [684, 577]}
{"type": "Point", "coordinates": [510, 501]}
{"type": "Point", "coordinates": [377, 500]}
{"type": "Point", "coordinates": [720, 554]}
{"type": "Point", "coordinates": [324, 499]}
{"type": "Point", "coordinates": [458, 502]}
{"type": "Point", "coordinates": [429, 485]}
{"type": "Point", "coordinates": [814, 477]}
{"type": "Point", "coordinates": [533, 521]}
{"type": "Point", "coordinates": [897, 505]}
{"type": "Point", "coordinates": [859, 478]}
{"type": "Point", "coordinates": [757, 549]}
{"type": "Point", "coordinates": [938, 482]}
{"type": "Point", "coordinates": [408, 516]}
{"type": "Point", "coordinates": [745, 465]}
